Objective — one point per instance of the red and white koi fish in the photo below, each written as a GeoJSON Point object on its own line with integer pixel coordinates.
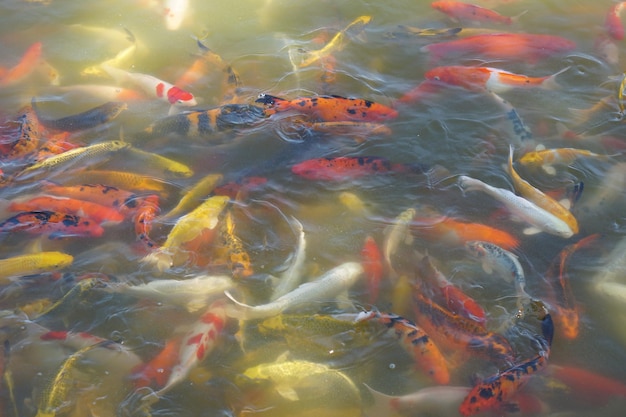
{"type": "Point", "coordinates": [197, 344]}
{"type": "Point", "coordinates": [460, 11]}
{"type": "Point", "coordinates": [175, 12]}
{"type": "Point", "coordinates": [153, 86]}
{"type": "Point", "coordinates": [493, 79]}
{"type": "Point", "coordinates": [427, 356]}
{"type": "Point", "coordinates": [613, 21]}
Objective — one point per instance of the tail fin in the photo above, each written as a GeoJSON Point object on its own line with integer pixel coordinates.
{"type": "Point", "coordinates": [550, 83]}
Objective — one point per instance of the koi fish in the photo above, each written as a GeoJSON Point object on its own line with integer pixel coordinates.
{"type": "Point", "coordinates": [206, 123]}
{"type": "Point", "coordinates": [457, 332]}
{"type": "Point", "coordinates": [613, 21]}
{"type": "Point", "coordinates": [322, 288]}
{"type": "Point", "coordinates": [55, 225]}
{"type": "Point", "coordinates": [360, 131]}
{"type": "Point", "coordinates": [24, 68]}
{"type": "Point", "coordinates": [153, 86]}
{"type": "Point", "coordinates": [456, 300]}
{"type": "Point", "coordinates": [587, 386]}
{"type": "Point", "coordinates": [122, 180]}
{"type": "Point", "coordinates": [104, 195]}
{"type": "Point", "coordinates": [502, 46]}
{"type": "Point", "coordinates": [495, 392]}
{"type": "Point", "coordinates": [166, 165]}
{"type": "Point", "coordinates": [193, 195]}
{"type": "Point", "coordinates": [337, 42]}
{"type": "Point", "coordinates": [106, 93]}
{"type": "Point", "coordinates": [520, 207]}
{"type": "Point", "coordinates": [372, 261]}
{"type": "Point", "coordinates": [187, 228]}
{"type": "Point", "coordinates": [456, 232]}
{"type": "Point", "coordinates": [90, 153]}
{"type": "Point", "coordinates": [566, 311]}
{"type": "Point", "coordinates": [54, 399]}
{"type": "Point", "coordinates": [329, 108]}
{"type": "Point", "coordinates": [191, 293]}
{"type": "Point", "coordinates": [31, 264]}
{"type": "Point", "coordinates": [196, 344]}
{"type": "Point", "coordinates": [493, 79]}
{"type": "Point", "coordinates": [521, 132]}
{"type": "Point", "coordinates": [158, 370]}
{"type": "Point", "coordinates": [505, 264]}
{"type": "Point", "coordinates": [539, 198]}
{"type": "Point", "coordinates": [545, 158]}
{"type": "Point", "coordinates": [81, 121]}
{"type": "Point", "coordinates": [94, 211]}
{"type": "Point", "coordinates": [146, 211]}
{"type": "Point", "coordinates": [292, 276]}
{"type": "Point", "coordinates": [70, 298]}
{"type": "Point", "coordinates": [459, 11]}
{"type": "Point", "coordinates": [175, 12]}
{"type": "Point", "coordinates": [238, 258]}
{"type": "Point", "coordinates": [396, 234]}
{"type": "Point", "coordinates": [121, 59]}
{"type": "Point", "coordinates": [27, 136]}
{"type": "Point", "coordinates": [427, 356]}
{"type": "Point", "coordinates": [346, 168]}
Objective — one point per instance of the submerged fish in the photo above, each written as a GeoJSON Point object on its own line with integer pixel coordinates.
{"type": "Point", "coordinates": [323, 288]}
{"type": "Point", "coordinates": [84, 120]}
{"type": "Point", "coordinates": [346, 168]}
{"type": "Point", "coordinates": [329, 108]}
{"type": "Point", "coordinates": [470, 12]}
{"type": "Point", "coordinates": [31, 264]}
{"type": "Point", "coordinates": [54, 225]}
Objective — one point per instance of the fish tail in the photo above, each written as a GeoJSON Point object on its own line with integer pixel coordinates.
{"type": "Point", "coordinates": [159, 259]}
{"type": "Point", "coordinates": [232, 311]}
{"type": "Point", "coordinates": [383, 403]}
{"type": "Point", "coordinates": [550, 83]}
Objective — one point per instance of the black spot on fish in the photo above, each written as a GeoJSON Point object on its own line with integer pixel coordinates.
{"type": "Point", "coordinates": [70, 220]}
{"type": "Point", "coordinates": [486, 393]}
{"type": "Point", "coordinates": [368, 103]}
{"type": "Point", "coordinates": [351, 111]}
{"type": "Point", "coordinates": [420, 340]}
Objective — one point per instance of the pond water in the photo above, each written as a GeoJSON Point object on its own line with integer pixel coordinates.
{"type": "Point", "coordinates": [318, 361]}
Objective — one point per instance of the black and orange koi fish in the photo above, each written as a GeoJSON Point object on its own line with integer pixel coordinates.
{"type": "Point", "coordinates": [56, 225]}
{"type": "Point", "coordinates": [329, 108]}
{"type": "Point", "coordinates": [206, 122]}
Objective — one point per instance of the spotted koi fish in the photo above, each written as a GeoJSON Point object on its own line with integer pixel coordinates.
{"type": "Point", "coordinates": [207, 122]}
{"type": "Point", "coordinates": [238, 258]}
{"type": "Point", "coordinates": [416, 342]}
{"type": "Point", "coordinates": [84, 120]}
{"type": "Point", "coordinates": [26, 137]}
{"type": "Point", "coordinates": [94, 211]}
{"type": "Point", "coordinates": [459, 332]}
{"type": "Point", "coordinates": [329, 108]}
{"type": "Point", "coordinates": [55, 225]}
{"type": "Point", "coordinates": [495, 392]}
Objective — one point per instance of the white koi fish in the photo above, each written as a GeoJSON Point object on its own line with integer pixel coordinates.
{"type": "Point", "coordinates": [175, 12]}
{"type": "Point", "coordinates": [397, 233]}
{"type": "Point", "coordinates": [520, 207]}
{"type": "Point", "coordinates": [292, 276]}
{"type": "Point", "coordinates": [327, 286]}
{"type": "Point", "coordinates": [153, 86]}
{"type": "Point", "coordinates": [193, 293]}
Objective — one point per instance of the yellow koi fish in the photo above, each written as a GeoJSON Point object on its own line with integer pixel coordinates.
{"type": "Point", "coordinates": [37, 263]}
{"type": "Point", "coordinates": [193, 196]}
{"type": "Point", "coordinates": [186, 229]}
{"type": "Point", "coordinates": [539, 198]}
{"type": "Point", "coordinates": [167, 165]}
{"type": "Point", "coordinates": [337, 42]}
{"type": "Point", "coordinates": [546, 158]}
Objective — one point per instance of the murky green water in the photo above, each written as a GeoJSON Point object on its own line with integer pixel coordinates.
{"type": "Point", "coordinates": [459, 131]}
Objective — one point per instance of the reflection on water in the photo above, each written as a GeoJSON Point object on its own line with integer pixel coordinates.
{"type": "Point", "coordinates": [79, 340]}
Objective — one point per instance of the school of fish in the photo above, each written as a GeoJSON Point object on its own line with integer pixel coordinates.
{"type": "Point", "coordinates": [178, 240]}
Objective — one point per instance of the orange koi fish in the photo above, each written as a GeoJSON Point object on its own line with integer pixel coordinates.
{"type": "Point", "coordinates": [153, 86]}
{"type": "Point", "coordinates": [565, 307]}
{"type": "Point", "coordinates": [495, 392]}
{"type": "Point", "coordinates": [459, 332]}
{"type": "Point", "coordinates": [104, 195]}
{"type": "Point", "coordinates": [503, 46]}
{"type": "Point", "coordinates": [345, 168]}
{"type": "Point", "coordinates": [496, 80]}
{"type": "Point", "coordinates": [372, 260]}
{"type": "Point", "coordinates": [459, 11]}
{"type": "Point", "coordinates": [590, 388]}
{"type": "Point", "coordinates": [545, 158]}
{"type": "Point", "coordinates": [329, 108]}
{"type": "Point", "coordinates": [416, 342]}
{"type": "Point", "coordinates": [94, 211]}
{"type": "Point", "coordinates": [24, 68]}
{"type": "Point", "coordinates": [613, 21]}
{"type": "Point", "coordinates": [455, 232]}
{"type": "Point", "coordinates": [55, 225]}
{"type": "Point", "coordinates": [457, 301]}
{"type": "Point", "coordinates": [147, 209]}
{"type": "Point", "coordinates": [158, 370]}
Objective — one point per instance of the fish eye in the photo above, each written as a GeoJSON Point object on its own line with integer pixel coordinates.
{"type": "Point", "coordinates": [437, 78]}
{"type": "Point", "coordinates": [262, 95]}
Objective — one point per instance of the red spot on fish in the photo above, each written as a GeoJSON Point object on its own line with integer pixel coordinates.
{"type": "Point", "coordinates": [194, 340]}
{"type": "Point", "coordinates": [178, 95]}
{"type": "Point", "coordinates": [160, 89]}
{"type": "Point", "coordinates": [54, 335]}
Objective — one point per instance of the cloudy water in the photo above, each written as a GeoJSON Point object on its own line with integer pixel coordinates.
{"type": "Point", "coordinates": [222, 183]}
